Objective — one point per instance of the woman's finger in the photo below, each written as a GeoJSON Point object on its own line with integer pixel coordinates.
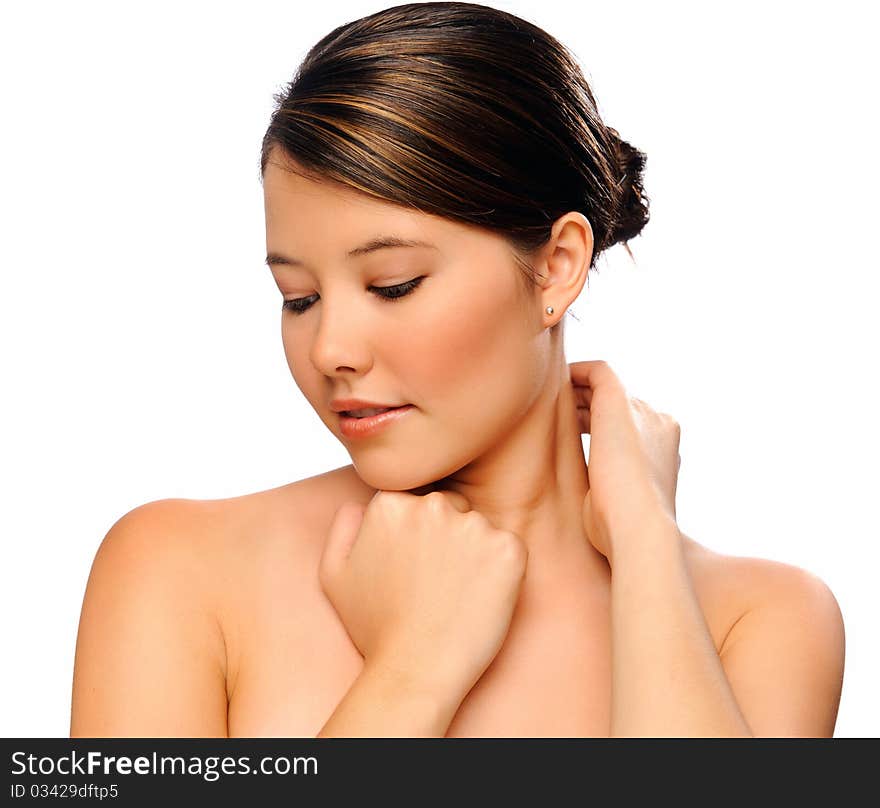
{"type": "Point", "coordinates": [593, 373]}
{"type": "Point", "coordinates": [583, 414]}
{"type": "Point", "coordinates": [581, 372]}
{"type": "Point", "coordinates": [582, 396]}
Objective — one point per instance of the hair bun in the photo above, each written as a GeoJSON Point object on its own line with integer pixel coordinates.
{"type": "Point", "coordinates": [632, 202]}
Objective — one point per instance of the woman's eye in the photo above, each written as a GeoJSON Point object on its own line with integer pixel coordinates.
{"type": "Point", "coordinates": [301, 304]}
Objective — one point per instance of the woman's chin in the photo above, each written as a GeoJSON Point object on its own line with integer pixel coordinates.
{"type": "Point", "coordinates": [399, 482]}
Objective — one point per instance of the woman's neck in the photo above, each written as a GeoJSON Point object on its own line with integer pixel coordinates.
{"type": "Point", "coordinates": [534, 483]}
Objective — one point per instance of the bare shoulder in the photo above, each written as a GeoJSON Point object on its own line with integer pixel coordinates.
{"type": "Point", "coordinates": [170, 590]}
{"type": "Point", "coordinates": [783, 653]}
{"type": "Point", "coordinates": [246, 539]}
{"type": "Point", "coordinates": [749, 585]}
{"type": "Point", "coordinates": [149, 658]}
{"type": "Point", "coordinates": [295, 515]}
{"type": "Point", "coordinates": [266, 547]}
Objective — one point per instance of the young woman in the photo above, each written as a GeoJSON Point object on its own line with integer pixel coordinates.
{"type": "Point", "coordinates": [438, 183]}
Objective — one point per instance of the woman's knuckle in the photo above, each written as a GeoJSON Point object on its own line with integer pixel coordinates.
{"type": "Point", "coordinates": [474, 520]}
{"type": "Point", "coordinates": [434, 501]}
{"type": "Point", "coordinates": [511, 547]}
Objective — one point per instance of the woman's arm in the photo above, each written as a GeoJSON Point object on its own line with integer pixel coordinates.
{"type": "Point", "coordinates": [667, 679]}
{"type": "Point", "coordinates": [387, 701]}
{"type": "Point", "coordinates": [150, 655]}
{"type": "Point", "coordinates": [779, 672]}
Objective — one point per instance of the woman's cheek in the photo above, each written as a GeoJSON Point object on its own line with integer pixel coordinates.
{"type": "Point", "coordinates": [442, 348]}
{"type": "Point", "coordinates": [458, 351]}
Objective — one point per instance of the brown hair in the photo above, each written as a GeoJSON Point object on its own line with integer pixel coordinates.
{"type": "Point", "coordinates": [465, 112]}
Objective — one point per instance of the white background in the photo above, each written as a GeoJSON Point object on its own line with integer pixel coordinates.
{"type": "Point", "coordinates": [140, 331]}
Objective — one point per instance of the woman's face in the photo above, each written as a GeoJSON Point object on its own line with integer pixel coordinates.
{"type": "Point", "coordinates": [467, 347]}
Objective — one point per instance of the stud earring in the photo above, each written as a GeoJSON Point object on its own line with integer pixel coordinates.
{"type": "Point", "coordinates": [549, 309]}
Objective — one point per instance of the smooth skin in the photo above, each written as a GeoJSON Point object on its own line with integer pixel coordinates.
{"type": "Point", "coordinates": [426, 588]}
{"type": "Point", "coordinates": [497, 420]}
{"type": "Point", "coordinates": [424, 581]}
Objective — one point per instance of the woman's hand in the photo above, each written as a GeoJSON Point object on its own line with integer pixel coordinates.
{"type": "Point", "coordinates": [423, 584]}
{"type": "Point", "coordinates": [634, 460]}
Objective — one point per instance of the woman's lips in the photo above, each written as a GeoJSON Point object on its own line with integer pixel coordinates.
{"type": "Point", "coordinates": [361, 427]}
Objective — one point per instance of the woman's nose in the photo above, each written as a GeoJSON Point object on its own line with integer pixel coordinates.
{"type": "Point", "coordinates": [339, 342]}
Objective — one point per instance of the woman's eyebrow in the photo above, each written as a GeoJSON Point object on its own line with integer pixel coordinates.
{"type": "Point", "coordinates": [378, 243]}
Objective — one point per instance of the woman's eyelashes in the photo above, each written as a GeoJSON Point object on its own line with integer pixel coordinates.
{"type": "Point", "coordinates": [301, 304]}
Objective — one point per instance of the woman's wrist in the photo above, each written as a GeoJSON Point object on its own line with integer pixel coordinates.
{"type": "Point", "coordinates": [427, 683]}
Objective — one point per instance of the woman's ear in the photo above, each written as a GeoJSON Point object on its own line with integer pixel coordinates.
{"type": "Point", "coordinates": [566, 261]}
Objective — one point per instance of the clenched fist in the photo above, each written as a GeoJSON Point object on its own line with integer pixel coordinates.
{"type": "Point", "coordinates": [424, 583]}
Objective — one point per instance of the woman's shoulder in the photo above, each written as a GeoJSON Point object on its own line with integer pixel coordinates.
{"type": "Point", "coordinates": [786, 621]}
{"type": "Point", "coordinates": [754, 577]}
{"type": "Point", "coordinates": [174, 587]}
{"type": "Point", "coordinates": [225, 537]}
{"type": "Point", "coordinates": [216, 551]}
{"type": "Point", "coordinates": [237, 528]}
{"type": "Point", "coordinates": [739, 585]}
